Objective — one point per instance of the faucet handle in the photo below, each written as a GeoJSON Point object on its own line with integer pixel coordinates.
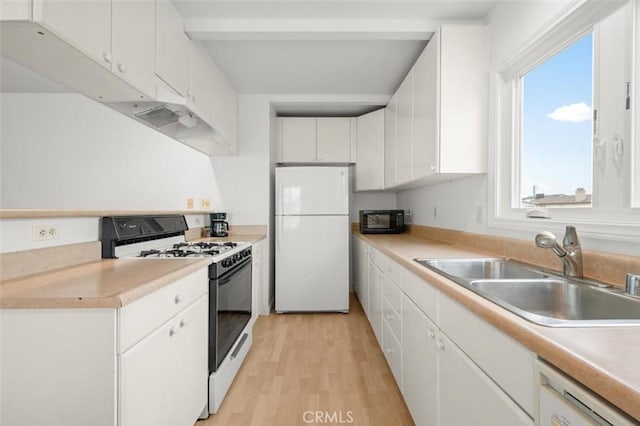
{"type": "Point", "coordinates": [570, 237]}
{"type": "Point", "coordinates": [633, 284]}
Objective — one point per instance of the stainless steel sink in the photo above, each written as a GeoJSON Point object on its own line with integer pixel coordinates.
{"type": "Point", "coordinates": [540, 296]}
{"type": "Point", "coordinates": [495, 268]}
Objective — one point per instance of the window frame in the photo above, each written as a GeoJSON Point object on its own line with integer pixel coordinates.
{"type": "Point", "coordinates": [574, 22]}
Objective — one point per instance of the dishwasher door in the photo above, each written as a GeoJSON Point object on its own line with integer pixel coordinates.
{"type": "Point", "coordinates": [564, 402]}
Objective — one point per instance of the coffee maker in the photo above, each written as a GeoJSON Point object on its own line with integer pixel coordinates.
{"type": "Point", "coordinates": [219, 226]}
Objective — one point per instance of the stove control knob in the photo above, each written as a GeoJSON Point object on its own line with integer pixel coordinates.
{"type": "Point", "coordinates": [225, 263]}
{"type": "Point", "coordinates": [237, 257]}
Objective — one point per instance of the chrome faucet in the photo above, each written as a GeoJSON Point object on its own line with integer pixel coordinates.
{"type": "Point", "coordinates": [570, 252]}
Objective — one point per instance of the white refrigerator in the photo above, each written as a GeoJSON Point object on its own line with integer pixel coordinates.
{"type": "Point", "coordinates": [312, 239]}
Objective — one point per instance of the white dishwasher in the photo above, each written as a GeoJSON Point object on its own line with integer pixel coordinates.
{"type": "Point", "coordinates": [564, 402]}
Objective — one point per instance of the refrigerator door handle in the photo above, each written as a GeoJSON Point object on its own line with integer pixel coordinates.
{"type": "Point", "coordinates": [345, 192]}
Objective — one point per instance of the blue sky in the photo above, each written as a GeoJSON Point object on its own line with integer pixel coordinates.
{"type": "Point", "coordinates": [556, 125]}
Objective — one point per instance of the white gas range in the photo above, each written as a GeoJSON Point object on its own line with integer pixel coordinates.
{"type": "Point", "coordinates": [230, 285]}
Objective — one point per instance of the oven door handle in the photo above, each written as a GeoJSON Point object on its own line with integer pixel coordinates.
{"type": "Point", "coordinates": [226, 278]}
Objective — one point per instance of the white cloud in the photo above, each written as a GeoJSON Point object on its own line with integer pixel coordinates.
{"type": "Point", "coordinates": [573, 113]}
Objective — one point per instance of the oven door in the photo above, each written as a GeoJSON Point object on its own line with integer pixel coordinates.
{"type": "Point", "coordinates": [229, 310]}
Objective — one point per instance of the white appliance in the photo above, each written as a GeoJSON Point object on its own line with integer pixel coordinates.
{"type": "Point", "coordinates": [312, 239]}
{"type": "Point", "coordinates": [563, 402]}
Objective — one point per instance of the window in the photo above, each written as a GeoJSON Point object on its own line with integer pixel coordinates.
{"type": "Point", "coordinates": [555, 135]}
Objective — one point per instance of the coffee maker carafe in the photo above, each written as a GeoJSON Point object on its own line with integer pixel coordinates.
{"type": "Point", "coordinates": [219, 226]}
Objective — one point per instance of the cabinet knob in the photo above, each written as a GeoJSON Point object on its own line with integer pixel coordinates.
{"type": "Point", "coordinates": [177, 299]}
{"type": "Point", "coordinates": [388, 316]}
{"type": "Point", "coordinates": [173, 331]}
{"type": "Point", "coordinates": [390, 351]}
{"type": "Point", "coordinates": [122, 68]}
{"type": "Point", "coordinates": [107, 57]}
{"type": "Point", "coordinates": [440, 344]}
{"type": "Point", "coordinates": [433, 168]}
{"type": "Point", "coordinates": [184, 322]}
{"type": "Point", "coordinates": [188, 93]}
{"type": "Point", "coordinates": [431, 334]}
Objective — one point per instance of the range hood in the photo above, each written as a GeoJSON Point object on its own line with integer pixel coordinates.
{"type": "Point", "coordinates": [173, 116]}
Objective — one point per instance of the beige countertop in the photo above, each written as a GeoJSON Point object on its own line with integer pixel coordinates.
{"type": "Point", "coordinates": [605, 359]}
{"type": "Point", "coordinates": [105, 283]}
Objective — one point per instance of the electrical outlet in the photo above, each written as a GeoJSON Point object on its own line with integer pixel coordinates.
{"type": "Point", "coordinates": [44, 232]}
{"type": "Point", "coordinates": [205, 203]}
{"type": "Point", "coordinates": [190, 203]}
{"type": "Point", "coordinates": [479, 215]}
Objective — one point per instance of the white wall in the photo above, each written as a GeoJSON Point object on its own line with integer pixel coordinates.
{"type": "Point", "coordinates": [511, 25]}
{"type": "Point", "coordinates": [455, 204]}
{"type": "Point", "coordinates": [64, 151]}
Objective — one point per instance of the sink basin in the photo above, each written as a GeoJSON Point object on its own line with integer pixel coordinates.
{"type": "Point", "coordinates": [481, 268]}
{"type": "Point", "coordinates": [540, 296]}
{"type": "Point", "coordinates": [561, 302]}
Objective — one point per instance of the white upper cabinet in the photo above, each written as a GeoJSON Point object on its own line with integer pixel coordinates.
{"type": "Point", "coordinates": [391, 143]}
{"type": "Point", "coordinates": [333, 139]}
{"type": "Point", "coordinates": [85, 24]}
{"type": "Point", "coordinates": [404, 156]}
{"type": "Point", "coordinates": [15, 10]}
{"type": "Point", "coordinates": [463, 101]}
{"type": "Point", "coordinates": [441, 110]}
{"type": "Point", "coordinates": [200, 93]}
{"type": "Point", "coordinates": [297, 139]}
{"type": "Point", "coordinates": [133, 43]}
{"type": "Point", "coordinates": [173, 48]}
{"type": "Point", "coordinates": [225, 108]}
{"type": "Point", "coordinates": [370, 149]}
{"type": "Point", "coordinates": [314, 140]}
{"type": "Point", "coordinates": [425, 109]}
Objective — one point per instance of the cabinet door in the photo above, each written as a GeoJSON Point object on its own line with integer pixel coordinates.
{"type": "Point", "coordinates": [391, 143]}
{"type": "Point", "coordinates": [225, 108]}
{"type": "Point", "coordinates": [463, 383]}
{"type": "Point", "coordinates": [333, 139]}
{"type": "Point", "coordinates": [134, 43]}
{"type": "Point", "coordinates": [375, 300]}
{"type": "Point", "coordinates": [362, 274]}
{"type": "Point", "coordinates": [419, 364]}
{"type": "Point", "coordinates": [201, 91]}
{"type": "Point", "coordinates": [172, 48]}
{"type": "Point", "coordinates": [370, 149]}
{"type": "Point", "coordinates": [298, 139]}
{"type": "Point", "coordinates": [405, 130]}
{"type": "Point", "coordinates": [425, 103]}
{"type": "Point", "coordinates": [86, 25]}
{"type": "Point", "coordinates": [163, 379]}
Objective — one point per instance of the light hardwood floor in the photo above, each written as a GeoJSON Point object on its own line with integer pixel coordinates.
{"type": "Point", "coordinates": [313, 362]}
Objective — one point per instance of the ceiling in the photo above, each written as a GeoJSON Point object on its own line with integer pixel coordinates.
{"type": "Point", "coordinates": [349, 51]}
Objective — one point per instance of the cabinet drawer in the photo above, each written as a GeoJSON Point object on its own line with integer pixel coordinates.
{"type": "Point", "coordinates": [512, 367]}
{"type": "Point", "coordinates": [393, 352]}
{"type": "Point", "coordinates": [390, 268]}
{"type": "Point", "coordinates": [393, 319]}
{"type": "Point", "coordinates": [423, 294]}
{"type": "Point", "coordinates": [141, 317]}
{"type": "Point", "coordinates": [393, 294]}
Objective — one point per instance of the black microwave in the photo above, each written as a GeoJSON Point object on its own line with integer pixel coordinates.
{"type": "Point", "coordinates": [381, 221]}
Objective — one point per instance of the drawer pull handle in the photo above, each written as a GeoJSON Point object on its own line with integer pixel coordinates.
{"type": "Point", "coordinates": [390, 351]}
{"type": "Point", "coordinates": [236, 351]}
{"type": "Point", "coordinates": [431, 334]}
{"type": "Point", "coordinates": [177, 299]}
{"type": "Point", "coordinates": [184, 322]}
{"type": "Point", "coordinates": [173, 331]}
{"type": "Point", "coordinates": [388, 316]}
{"type": "Point", "coordinates": [440, 344]}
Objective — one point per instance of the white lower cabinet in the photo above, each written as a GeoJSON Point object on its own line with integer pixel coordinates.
{"type": "Point", "coordinates": [467, 395]}
{"type": "Point", "coordinates": [361, 272]}
{"type": "Point", "coordinates": [170, 358]}
{"type": "Point", "coordinates": [142, 364]}
{"type": "Point", "coordinates": [375, 300]}
{"type": "Point", "coordinates": [452, 367]}
{"type": "Point", "coordinates": [420, 362]}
